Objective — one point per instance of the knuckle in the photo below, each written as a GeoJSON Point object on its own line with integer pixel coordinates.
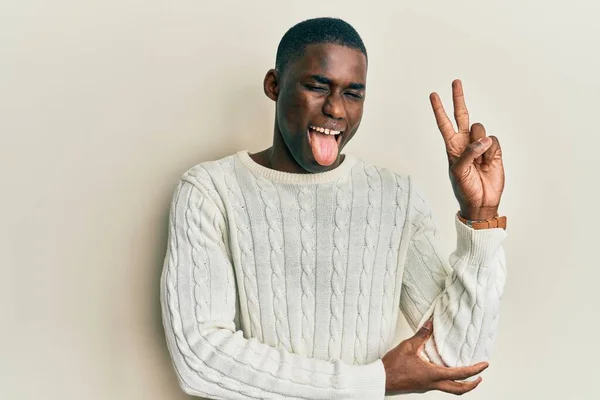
{"type": "Point", "coordinates": [406, 346]}
{"type": "Point", "coordinates": [472, 148]}
{"type": "Point", "coordinates": [457, 171]}
{"type": "Point", "coordinates": [444, 125]}
{"type": "Point", "coordinates": [476, 145]}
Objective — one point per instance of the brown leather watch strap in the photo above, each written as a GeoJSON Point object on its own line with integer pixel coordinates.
{"type": "Point", "coordinates": [496, 222]}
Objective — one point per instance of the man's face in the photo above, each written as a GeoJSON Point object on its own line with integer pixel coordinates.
{"type": "Point", "coordinates": [324, 89]}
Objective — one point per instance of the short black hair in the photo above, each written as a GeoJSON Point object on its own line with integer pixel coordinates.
{"type": "Point", "coordinates": [314, 31]}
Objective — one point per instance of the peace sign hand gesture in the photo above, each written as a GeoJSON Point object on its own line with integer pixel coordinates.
{"type": "Point", "coordinates": [475, 161]}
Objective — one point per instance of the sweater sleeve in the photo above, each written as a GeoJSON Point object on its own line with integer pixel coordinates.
{"type": "Point", "coordinates": [461, 292]}
{"type": "Point", "coordinates": [211, 357]}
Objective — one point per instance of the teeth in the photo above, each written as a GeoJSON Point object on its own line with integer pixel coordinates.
{"type": "Point", "coordinates": [325, 131]}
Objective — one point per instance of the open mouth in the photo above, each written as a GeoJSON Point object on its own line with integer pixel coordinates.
{"type": "Point", "coordinates": [330, 132]}
{"type": "Point", "coordinates": [324, 144]}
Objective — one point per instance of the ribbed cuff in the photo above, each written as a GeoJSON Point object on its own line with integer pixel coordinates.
{"type": "Point", "coordinates": [366, 381]}
{"type": "Point", "coordinates": [478, 246]}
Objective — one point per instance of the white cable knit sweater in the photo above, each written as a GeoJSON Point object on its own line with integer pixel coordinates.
{"type": "Point", "coordinates": [279, 285]}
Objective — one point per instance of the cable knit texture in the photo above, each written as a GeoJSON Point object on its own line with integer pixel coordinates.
{"type": "Point", "coordinates": [306, 202]}
{"type": "Point", "coordinates": [279, 285]}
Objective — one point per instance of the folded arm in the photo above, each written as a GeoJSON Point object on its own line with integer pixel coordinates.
{"type": "Point", "coordinates": [462, 293]}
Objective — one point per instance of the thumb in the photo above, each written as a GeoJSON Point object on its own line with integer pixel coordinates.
{"type": "Point", "coordinates": [424, 333]}
{"type": "Point", "coordinates": [474, 150]}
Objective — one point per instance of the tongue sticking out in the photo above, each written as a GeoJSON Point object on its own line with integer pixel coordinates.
{"type": "Point", "coordinates": [324, 147]}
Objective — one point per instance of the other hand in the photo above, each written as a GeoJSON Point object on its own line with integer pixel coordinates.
{"type": "Point", "coordinates": [407, 372]}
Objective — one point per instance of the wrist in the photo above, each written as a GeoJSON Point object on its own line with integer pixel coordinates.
{"type": "Point", "coordinates": [478, 214]}
{"type": "Point", "coordinates": [384, 362]}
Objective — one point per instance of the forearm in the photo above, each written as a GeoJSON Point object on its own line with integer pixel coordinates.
{"type": "Point", "coordinates": [466, 312]}
{"type": "Point", "coordinates": [218, 362]}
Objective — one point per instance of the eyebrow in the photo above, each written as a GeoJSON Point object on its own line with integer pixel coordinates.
{"type": "Point", "coordinates": [327, 81]}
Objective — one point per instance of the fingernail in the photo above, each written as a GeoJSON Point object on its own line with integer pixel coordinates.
{"type": "Point", "coordinates": [428, 324]}
{"type": "Point", "coordinates": [484, 141]}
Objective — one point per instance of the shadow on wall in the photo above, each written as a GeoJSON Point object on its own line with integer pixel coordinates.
{"type": "Point", "coordinates": [248, 117]}
{"type": "Point", "coordinates": [247, 123]}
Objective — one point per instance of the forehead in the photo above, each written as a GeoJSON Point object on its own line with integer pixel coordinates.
{"type": "Point", "coordinates": [338, 63]}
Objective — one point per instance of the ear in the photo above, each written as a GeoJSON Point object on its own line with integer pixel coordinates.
{"type": "Point", "coordinates": [271, 84]}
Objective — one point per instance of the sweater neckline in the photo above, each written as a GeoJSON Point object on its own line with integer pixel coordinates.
{"type": "Point", "coordinates": [295, 178]}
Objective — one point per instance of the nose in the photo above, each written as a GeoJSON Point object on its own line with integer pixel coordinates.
{"type": "Point", "coordinates": [334, 106]}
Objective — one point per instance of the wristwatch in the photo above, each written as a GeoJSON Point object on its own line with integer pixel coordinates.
{"type": "Point", "coordinates": [496, 222]}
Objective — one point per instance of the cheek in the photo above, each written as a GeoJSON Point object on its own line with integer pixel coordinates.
{"type": "Point", "coordinates": [354, 112]}
{"type": "Point", "coordinates": [297, 110]}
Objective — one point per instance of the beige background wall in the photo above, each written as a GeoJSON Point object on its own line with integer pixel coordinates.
{"type": "Point", "coordinates": [103, 104]}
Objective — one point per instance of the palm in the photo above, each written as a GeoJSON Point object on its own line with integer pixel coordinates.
{"type": "Point", "coordinates": [477, 183]}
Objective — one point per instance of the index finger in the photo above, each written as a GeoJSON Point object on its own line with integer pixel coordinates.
{"type": "Point", "coordinates": [460, 373]}
{"type": "Point", "coordinates": [443, 122]}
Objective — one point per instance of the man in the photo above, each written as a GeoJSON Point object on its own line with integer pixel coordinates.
{"type": "Point", "coordinates": [286, 269]}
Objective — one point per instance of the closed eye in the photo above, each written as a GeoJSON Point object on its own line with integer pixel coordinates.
{"type": "Point", "coordinates": [355, 95]}
{"type": "Point", "coordinates": [316, 88]}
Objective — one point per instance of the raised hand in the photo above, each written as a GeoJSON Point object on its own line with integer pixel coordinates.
{"type": "Point", "coordinates": [407, 372]}
{"type": "Point", "coordinates": [475, 161]}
